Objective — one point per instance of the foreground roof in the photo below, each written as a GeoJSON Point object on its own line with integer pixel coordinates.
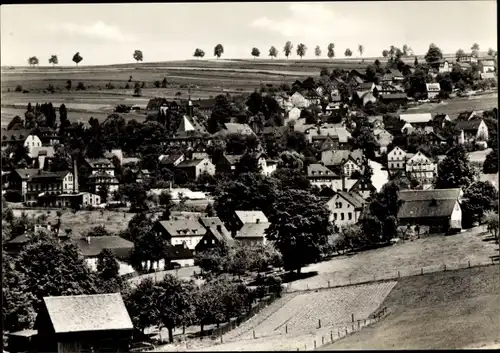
{"type": "Point", "coordinates": [436, 194]}
{"type": "Point", "coordinates": [80, 313]}
{"type": "Point", "coordinates": [119, 247]}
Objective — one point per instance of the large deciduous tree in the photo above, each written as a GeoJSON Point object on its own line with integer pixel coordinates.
{"type": "Point", "coordinates": [348, 52]}
{"type": "Point", "coordinates": [53, 60]}
{"type": "Point", "coordinates": [218, 50]}
{"type": "Point", "coordinates": [490, 165]}
{"type": "Point", "coordinates": [434, 54]}
{"type": "Point", "coordinates": [301, 50]}
{"type": "Point", "coordinates": [198, 53]}
{"type": "Point", "coordinates": [138, 55]}
{"type": "Point", "coordinates": [299, 226]}
{"type": "Point", "coordinates": [255, 52]}
{"type": "Point", "coordinates": [454, 171]}
{"type": "Point", "coordinates": [331, 50]}
{"type": "Point", "coordinates": [77, 58]}
{"type": "Point", "coordinates": [479, 198]}
{"type": "Point", "coordinates": [273, 52]}
{"type": "Point", "coordinates": [288, 49]}
{"type": "Point", "coordinates": [317, 51]}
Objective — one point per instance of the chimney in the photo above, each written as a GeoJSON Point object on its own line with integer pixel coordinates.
{"type": "Point", "coordinates": [257, 221]}
{"type": "Point", "coordinates": [219, 228]}
{"type": "Point", "coordinates": [75, 176]}
{"type": "Point", "coordinates": [41, 162]}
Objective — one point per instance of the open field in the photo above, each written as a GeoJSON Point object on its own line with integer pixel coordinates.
{"type": "Point", "coordinates": [331, 306]}
{"type": "Point", "coordinates": [447, 310]}
{"type": "Point", "coordinates": [82, 221]}
{"type": "Point", "coordinates": [430, 253]}
{"type": "Point", "coordinates": [457, 105]}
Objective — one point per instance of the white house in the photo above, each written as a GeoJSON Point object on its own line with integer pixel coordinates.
{"type": "Point", "coordinates": [31, 142]}
{"type": "Point", "coordinates": [299, 101]}
{"type": "Point", "coordinates": [432, 89]}
{"type": "Point", "coordinates": [294, 114]}
{"type": "Point", "coordinates": [417, 118]}
{"type": "Point", "coordinates": [487, 64]}
{"type": "Point", "coordinates": [267, 166]}
{"type": "Point", "coordinates": [320, 175]}
{"type": "Point", "coordinates": [384, 139]}
{"type": "Point", "coordinates": [345, 208]}
{"type": "Point", "coordinates": [445, 66]}
{"type": "Point", "coordinates": [421, 168]}
{"type": "Point", "coordinates": [396, 159]}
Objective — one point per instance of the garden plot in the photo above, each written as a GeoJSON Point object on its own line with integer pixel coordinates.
{"type": "Point", "coordinates": [331, 306]}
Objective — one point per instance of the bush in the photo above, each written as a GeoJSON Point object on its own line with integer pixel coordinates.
{"type": "Point", "coordinates": [19, 88]}
{"type": "Point", "coordinates": [127, 86]}
{"type": "Point", "coordinates": [109, 85]}
{"type": "Point", "coordinates": [51, 88]}
{"type": "Point", "coordinates": [157, 84]}
{"type": "Point", "coordinates": [13, 196]}
{"type": "Point", "coordinates": [137, 92]}
{"type": "Point", "coordinates": [80, 86]}
{"type": "Point", "coordinates": [143, 84]}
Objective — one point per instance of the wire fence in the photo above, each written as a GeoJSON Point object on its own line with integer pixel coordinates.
{"type": "Point", "coordinates": [343, 280]}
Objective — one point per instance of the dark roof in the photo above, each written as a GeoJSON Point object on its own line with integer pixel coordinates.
{"type": "Point", "coordinates": [465, 115]}
{"type": "Point", "coordinates": [187, 125]}
{"type": "Point", "coordinates": [253, 230]}
{"type": "Point", "coordinates": [319, 170]}
{"type": "Point", "coordinates": [396, 73]}
{"type": "Point", "coordinates": [211, 223]}
{"type": "Point", "coordinates": [437, 194]}
{"type": "Point", "coordinates": [353, 198]}
{"type": "Point", "coordinates": [468, 125]}
{"type": "Point", "coordinates": [171, 158]}
{"type": "Point", "coordinates": [15, 135]}
{"type": "Point", "coordinates": [234, 128]}
{"type": "Point", "coordinates": [156, 103]}
{"type": "Point", "coordinates": [33, 173]}
{"type": "Point", "coordinates": [426, 208]}
{"type": "Point", "coordinates": [189, 163]}
{"type": "Point", "coordinates": [98, 161]}
{"type": "Point", "coordinates": [83, 313]}
{"type": "Point", "coordinates": [183, 227]}
{"type": "Point", "coordinates": [119, 247]}
{"type": "Point", "coordinates": [365, 86]}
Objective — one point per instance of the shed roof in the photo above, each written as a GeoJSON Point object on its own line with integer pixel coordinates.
{"type": "Point", "coordinates": [83, 313]}
{"type": "Point", "coordinates": [183, 227]}
{"type": "Point", "coordinates": [119, 247]}
{"type": "Point", "coordinates": [468, 125]}
{"type": "Point", "coordinates": [426, 208]}
{"type": "Point", "coordinates": [437, 194]}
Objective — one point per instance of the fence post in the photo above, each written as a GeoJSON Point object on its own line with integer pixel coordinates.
{"type": "Point", "coordinates": [253, 334]}
{"type": "Point", "coordinates": [346, 331]}
{"type": "Point", "coordinates": [399, 274]}
{"type": "Point", "coordinates": [319, 323]}
{"type": "Point", "coordinates": [331, 335]}
{"type": "Point", "coordinates": [421, 270]}
{"type": "Point", "coordinates": [322, 340]}
{"type": "Point", "coordinates": [339, 333]}
{"type": "Point", "coordinates": [328, 284]}
{"type": "Point", "coordinates": [469, 263]}
{"type": "Point", "coordinates": [359, 323]}
{"type": "Point", "coordinates": [314, 344]}
{"type": "Point", "coordinates": [221, 339]}
{"type": "Point", "coordinates": [286, 328]}
{"type": "Point", "coordinates": [365, 321]}
{"type": "Point", "coordinates": [352, 317]}
{"type": "Point", "coordinates": [352, 327]}
{"type": "Point", "coordinates": [307, 286]}
{"type": "Point", "coordinates": [445, 267]}
{"type": "Point", "coordinates": [305, 347]}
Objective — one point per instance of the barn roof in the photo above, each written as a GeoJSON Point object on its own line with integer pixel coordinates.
{"type": "Point", "coordinates": [251, 216]}
{"type": "Point", "coordinates": [117, 245]}
{"type": "Point", "coordinates": [83, 313]}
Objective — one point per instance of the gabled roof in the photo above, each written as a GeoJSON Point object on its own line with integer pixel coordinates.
{"type": "Point", "coordinates": [189, 163]}
{"type": "Point", "coordinates": [416, 118]}
{"type": "Point", "coordinates": [393, 96]}
{"type": "Point", "coordinates": [336, 184]}
{"type": "Point", "coordinates": [468, 125]}
{"type": "Point", "coordinates": [366, 86]}
{"type": "Point", "coordinates": [188, 125]}
{"type": "Point", "coordinates": [315, 170]}
{"type": "Point", "coordinates": [171, 158]}
{"type": "Point", "coordinates": [117, 245]}
{"type": "Point", "coordinates": [437, 194]}
{"type": "Point", "coordinates": [253, 230]}
{"type": "Point", "coordinates": [337, 157]}
{"type": "Point", "coordinates": [183, 227]}
{"type": "Point", "coordinates": [33, 173]}
{"type": "Point", "coordinates": [99, 161]}
{"type": "Point", "coordinates": [212, 224]}
{"type": "Point", "coordinates": [396, 73]}
{"type": "Point", "coordinates": [234, 128]}
{"type": "Point", "coordinates": [84, 313]}
{"type": "Point", "coordinates": [340, 132]}
{"type": "Point", "coordinates": [251, 216]}
{"type": "Point", "coordinates": [359, 182]}
{"type": "Point", "coordinates": [352, 197]}
{"type": "Point", "coordinates": [467, 115]}
{"type": "Point", "coordinates": [15, 135]}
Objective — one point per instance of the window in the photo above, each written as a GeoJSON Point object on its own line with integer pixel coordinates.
{"type": "Point", "coordinates": [340, 204]}
{"type": "Point", "coordinates": [335, 216]}
{"type": "Point", "coordinates": [342, 216]}
{"type": "Point", "coordinates": [349, 215]}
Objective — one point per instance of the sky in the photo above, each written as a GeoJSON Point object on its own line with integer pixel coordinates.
{"type": "Point", "coordinates": [109, 33]}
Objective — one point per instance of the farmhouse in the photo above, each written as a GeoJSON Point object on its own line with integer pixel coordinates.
{"type": "Point", "coordinates": [363, 187]}
{"type": "Point", "coordinates": [196, 167]}
{"type": "Point", "coordinates": [440, 120]}
{"type": "Point", "coordinates": [417, 119]}
{"type": "Point", "coordinates": [384, 139]}
{"type": "Point", "coordinates": [467, 58]}
{"type": "Point", "coordinates": [432, 90]}
{"type": "Point", "coordinates": [91, 247]}
{"type": "Point", "coordinates": [253, 233]}
{"type": "Point", "coordinates": [15, 137]}
{"type": "Point", "coordinates": [396, 159]}
{"type": "Point", "coordinates": [75, 200]}
{"type": "Point", "coordinates": [345, 207]}
{"type": "Point", "coordinates": [437, 209]}
{"type": "Point", "coordinates": [320, 175]}
{"type": "Point", "coordinates": [299, 101]}
{"type": "Point", "coordinates": [216, 234]}
{"type": "Point", "coordinates": [421, 168]}
{"type": "Point", "coordinates": [83, 323]}
{"type": "Point", "coordinates": [188, 232]}
{"type": "Point", "coordinates": [471, 131]}
{"type": "Point", "coordinates": [343, 161]}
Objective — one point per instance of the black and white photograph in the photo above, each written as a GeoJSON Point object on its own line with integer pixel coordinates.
{"type": "Point", "coordinates": [249, 176]}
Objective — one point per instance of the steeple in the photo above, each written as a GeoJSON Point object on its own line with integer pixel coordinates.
{"type": "Point", "coordinates": [190, 104]}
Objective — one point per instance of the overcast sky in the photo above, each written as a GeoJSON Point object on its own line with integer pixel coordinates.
{"type": "Point", "coordinates": [109, 33]}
